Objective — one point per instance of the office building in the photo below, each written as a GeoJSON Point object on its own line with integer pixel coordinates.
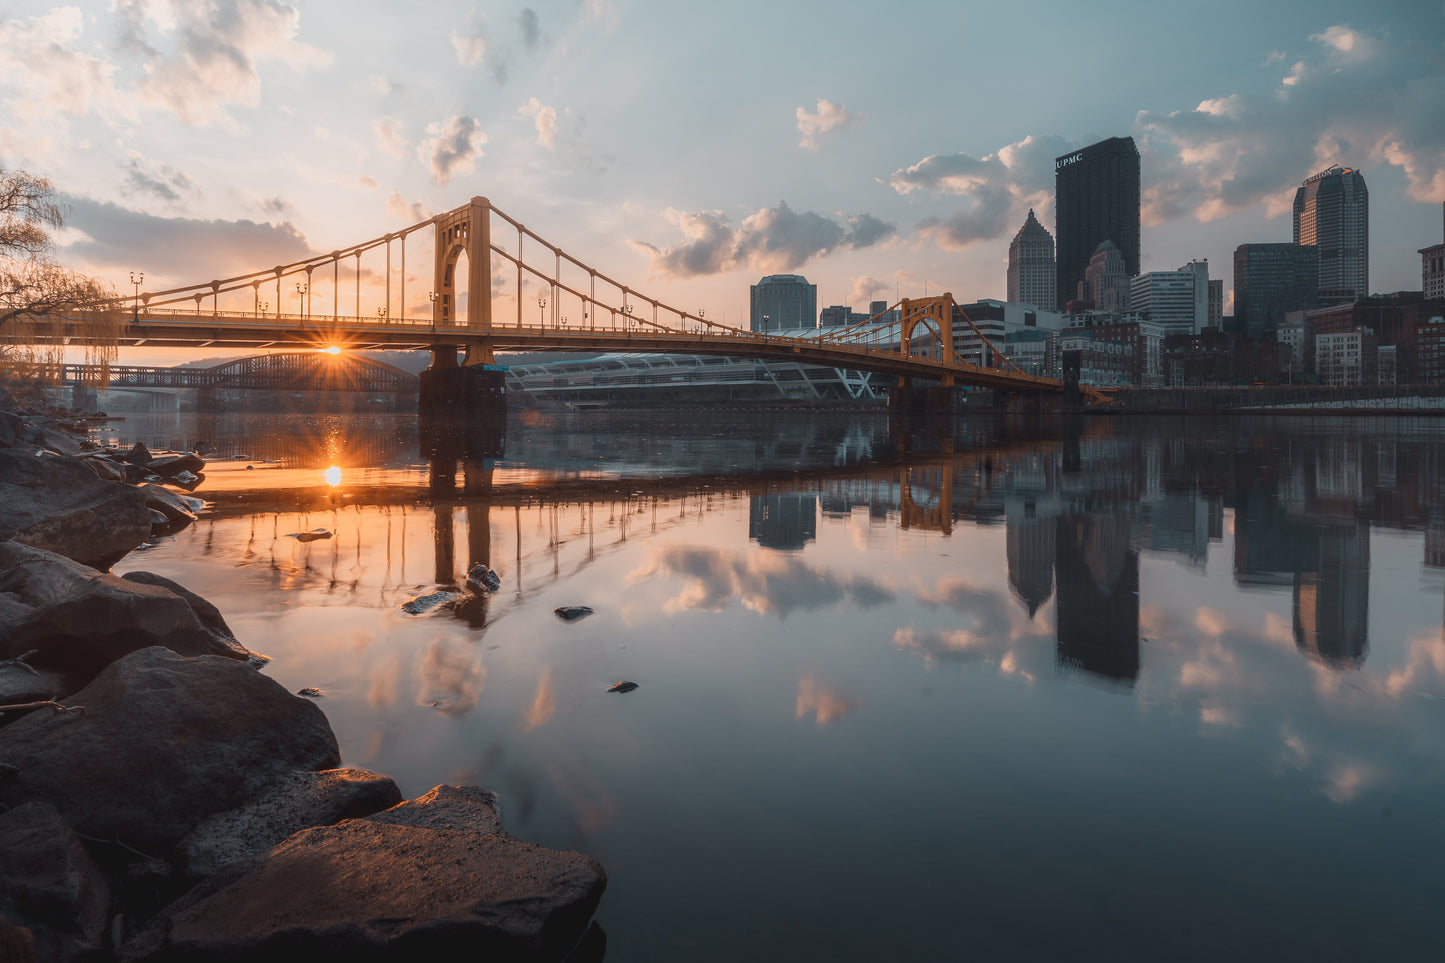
{"type": "Point", "coordinates": [1096, 198]}
{"type": "Point", "coordinates": [1271, 280]}
{"type": "Point", "coordinates": [1332, 213]}
{"type": "Point", "coordinates": [1031, 276]}
{"type": "Point", "coordinates": [1176, 300]}
{"type": "Point", "coordinates": [783, 301]}
{"type": "Point", "coordinates": [1216, 303]}
{"type": "Point", "coordinates": [1432, 269]}
{"type": "Point", "coordinates": [1106, 282]}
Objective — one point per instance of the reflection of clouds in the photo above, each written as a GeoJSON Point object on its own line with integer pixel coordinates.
{"type": "Point", "coordinates": [1424, 670]}
{"type": "Point", "coordinates": [764, 583]}
{"type": "Point", "coordinates": [544, 703]}
{"type": "Point", "coordinates": [827, 704]}
{"type": "Point", "coordinates": [449, 678]}
{"type": "Point", "coordinates": [990, 630]}
{"type": "Point", "coordinates": [381, 689]}
{"type": "Point", "coordinates": [1345, 781]}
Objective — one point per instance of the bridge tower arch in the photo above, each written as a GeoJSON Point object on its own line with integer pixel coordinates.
{"type": "Point", "coordinates": [466, 230]}
{"type": "Point", "coordinates": [922, 311]}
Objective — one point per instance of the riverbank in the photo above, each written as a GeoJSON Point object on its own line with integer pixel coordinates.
{"type": "Point", "coordinates": [160, 796]}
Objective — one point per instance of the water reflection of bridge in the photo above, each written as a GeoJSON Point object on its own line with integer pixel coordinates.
{"type": "Point", "coordinates": [1081, 510]}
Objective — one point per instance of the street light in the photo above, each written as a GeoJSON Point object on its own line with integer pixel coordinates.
{"type": "Point", "coordinates": [541, 315]}
{"type": "Point", "coordinates": [136, 277]}
{"type": "Point", "coordinates": [433, 297]}
{"type": "Point", "coordinates": [627, 313]}
{"type": "Point", "coordinates": [301, 290]}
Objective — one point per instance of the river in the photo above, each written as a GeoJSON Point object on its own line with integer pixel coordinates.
{"type": "Point", "coordinates": [1108, 689]}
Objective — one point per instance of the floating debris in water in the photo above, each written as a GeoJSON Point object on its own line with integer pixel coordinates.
{"type": "Point", "coordinates": [571, 613]}
{"type": "Point", "coordinates": [622, 687]}
{"type": "Point", "coordinates": [311, 536]}
{"type": "Point", "coordinates": [310, 692]}
{"type": "Point", "coordinates": [425, 603]}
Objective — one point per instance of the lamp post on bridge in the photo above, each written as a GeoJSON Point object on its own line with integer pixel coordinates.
{"type": "Point", "coordinates": [627, 312]}
{"type": "Point", "coordinates": [301, 290]}
{"type": "Point", "coordinates": [433, 297]}
{"type": "Point", "coordinates": [136, 277]}
{"type": "Point", "coordinates": [542, 313]}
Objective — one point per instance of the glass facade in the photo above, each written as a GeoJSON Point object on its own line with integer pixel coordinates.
{"type": "Point", "coordinates": [1096, 199]}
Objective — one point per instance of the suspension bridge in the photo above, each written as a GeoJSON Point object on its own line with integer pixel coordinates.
{"type": "Point", "coordinates": [482, 262]}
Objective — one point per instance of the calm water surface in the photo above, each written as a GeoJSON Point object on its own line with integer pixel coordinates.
{"type": "Point", "coordinates": [1114, 690]}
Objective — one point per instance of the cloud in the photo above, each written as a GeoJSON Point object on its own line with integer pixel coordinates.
{"type": "Point", "coordinates": [774, 239]}
{"type": "Point", "coordinates": [175, 250]}
{"type": "Point", "coordinates": [388, 132]}
{"type": "Point", "coordinates": [766, 583]}
{"type": "Point", "coordinates": [545, 119]}
{"type": "Point", "coordinates": [830, 116]}
{"type": "Point", "coordinates": [412, 213]}
{"type": "Point", "coordinates": [1355, 99]}
{"type": "Point", "coordinates": [531, 26]}
{"type": "Point", "coordinates": [996, 188]}
{"type": "Point", "coordinates": [42, 72]}
{"type": "Point", "coordinates": [200, 57]}
{"type": "Point", "coordinates": [822, 702]}
{"type": "Point", "coordinates": [471, 49]}
{"type": "Point", "coordinates": [162, 183]}
{"type": "Point", "coordinates": [452, 148]}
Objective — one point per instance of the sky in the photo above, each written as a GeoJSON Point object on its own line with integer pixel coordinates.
{"type": "Point", "coordinates": [879, 149]}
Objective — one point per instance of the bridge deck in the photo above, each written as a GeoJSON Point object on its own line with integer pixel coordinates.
{"type": "Point", "coordinates": [219, 330]}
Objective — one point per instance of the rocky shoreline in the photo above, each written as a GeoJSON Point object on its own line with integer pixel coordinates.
{"type": "Point", "coordinates": [161, 798]}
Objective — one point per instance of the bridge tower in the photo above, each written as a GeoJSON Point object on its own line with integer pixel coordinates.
{"type": "Point", "coordinates": [476, 387]}
{"type": "Point", "coordinates": [935, 314]}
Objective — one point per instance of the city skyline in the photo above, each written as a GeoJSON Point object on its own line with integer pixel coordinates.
{"type": "Point", "coordinates": [191, 146]}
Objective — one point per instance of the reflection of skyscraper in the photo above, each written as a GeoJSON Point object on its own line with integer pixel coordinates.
{"type": "Point", "coordinates": [1332, 604]}
{"type": "Point", "coordinates": [1270, 545]}
{"type": "Point", "coordinates": [1098, 596]}
{"type": "Point", "coordinates": [783, 522]}
{"type": "Point", "coordinates": [1031, 551]}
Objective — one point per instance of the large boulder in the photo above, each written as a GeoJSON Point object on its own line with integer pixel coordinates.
{"type": "Point", "coordinates": [164, 741]}
{"type": "Point", "coordinates": [469, 808]}
{"type": "Point", "coordinates": [60, 505]}
{"type": "Point", "coordinates": [376, 890]}
{"type": "Point", "coordinates": [169, 466]}
{"type": "Point", "coordinates": [295, 801]}
{"type": "Point", "coordinates": [12, 429]}
{"type": "Point", "coordinates": [78, 620]}
{"type": "Point", "coordinates": [49, 884]}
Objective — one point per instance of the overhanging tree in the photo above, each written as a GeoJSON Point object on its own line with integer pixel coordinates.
{"type": "Point", "coordinates": [43, 303]}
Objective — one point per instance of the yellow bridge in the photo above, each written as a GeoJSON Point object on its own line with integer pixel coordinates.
{"type": "Point", "coordinates": [579, 309]}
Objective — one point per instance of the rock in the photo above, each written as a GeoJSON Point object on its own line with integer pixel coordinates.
{"type": "Point", "coordinates": [53, 438]}
{"type": "Point", "coordinates": [469, 808]}
{"type": "Point", "coordinates": [139, 454]}
{"type": "Point", "coordinates": [203, 448]}
{"type": "Point", "coordinates": [50, 885]}
{"type": "Point", "coordinates": [20, 684]}
{"type": "Point", "coordinates": [311, 536]}
{"type": "Point", "coordinates": [209, 615]}
{"type": "Point", "coordinates": [422, 604]}
{"type": "Point", "coordinates": [185, 478]}
{"type": "Point", "coordinates": [483, 579]}
{"type": "Point", "coordinates": [79, 620]}
{"type": "Point", "coordinates": [12, 429]}
{"type": "Point", "coordinates": [60, 505]}
{"type": "Point", "coordinates": [168, 503]}
{"type": "Point", "coordinates": [310, 692]}
{"type": "Point", "coordinates": [17, 944]}
{"type": "Point", "coordinates": [295, 801]}
{"type": "Point", "coordinates": [159, 522]}
{"type": "Point", "coordinates": [169, 466]}
{"type": "Point", "coordinates": [164, 742]}
{"type": "Point", "coordinates": [571, 613]}
{"type": "Point", "coordinates": [622, 687]}
{"type": "Point", "coordinates": [104, 468]}
{"type": "Point", "coordinates": [364, 889]}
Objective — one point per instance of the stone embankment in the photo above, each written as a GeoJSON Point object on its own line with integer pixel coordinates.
{"type": "Point", "coordinates": [163, 799]}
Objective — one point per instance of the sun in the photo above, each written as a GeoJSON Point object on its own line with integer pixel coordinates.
{"type": "Point", "coordinates": [331, 350]}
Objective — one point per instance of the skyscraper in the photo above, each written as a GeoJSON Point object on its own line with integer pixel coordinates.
{"type": "Point", "coordinates": [1332, 213]}
{"type": "Point", "coordinates": [1096, 198]}
{"type": "Point", "coordinates": [783, 301]}
{"type": "Point", "coordinates": [1106, 283]}
{"type": "Point", "coordinates": [1432, 270]}
{"type": "Point", "coordinates": [1031, 277]}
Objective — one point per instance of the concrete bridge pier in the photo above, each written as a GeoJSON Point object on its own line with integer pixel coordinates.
{"type": "Point", "coordinates": [926, 400]}
{"type": "Point", "coordinates": [450, 390]}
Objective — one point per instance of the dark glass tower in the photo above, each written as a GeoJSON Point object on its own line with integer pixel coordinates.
{"type": "Point", "coordinates": [1332, 213]}
{"type": "Point", "coordinates": [1096, 199]}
